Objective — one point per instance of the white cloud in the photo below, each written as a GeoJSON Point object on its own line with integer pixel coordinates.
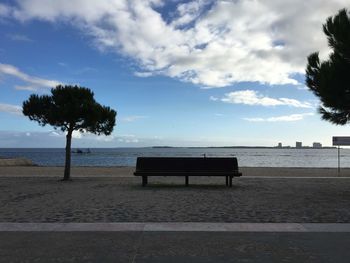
{"type": "Point", "coordinates": [209, 43]}
{"type": "Point", "coordinates": [302, 87]}
{"type": "Point", "coordinates": [77, 135]}
{"type": "Point", "coordinates": [13, 109]}
{"type": "Point", "coordinates": [212, 98]}
{"type": "Point", "coordinates": [252, 97]}
{"type": "Point", "coordinates": [132, 118]}
{"type": "Point", "coordinates": [56, 134]}
{"type": "Point", "coordinates": [206, 87]}
{"type": "Point", "coordinates": [35, 82]}
{"type": "Point", "coordinates": [128, 139]}
{"type": "Point", "coordinates": [19, 37]}
{"type": "Point", "coordinates": [56, 138]}
{"type": "Point", "coordinates": [85, 137]}
{"type": "Point", "coordinates": [143, 74]}
{"type": "Point", "coordinates": [286, 118]}
{"type": "Point", "coordinates": [4, 10]}
{"type": "Point", "coordinates": [29, 88]}
{"type": "Point", "coordinates": [189, 12]}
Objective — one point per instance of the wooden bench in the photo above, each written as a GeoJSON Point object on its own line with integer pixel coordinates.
{"type": "Point", "coordinates": [187, 166]}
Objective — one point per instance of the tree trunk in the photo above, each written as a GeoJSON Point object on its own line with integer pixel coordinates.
{"type": "Point", "coordinates": [68, 156]}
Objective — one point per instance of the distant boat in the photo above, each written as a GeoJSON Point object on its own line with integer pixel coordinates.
{"type": "Point", "coordinates": [79, 151]}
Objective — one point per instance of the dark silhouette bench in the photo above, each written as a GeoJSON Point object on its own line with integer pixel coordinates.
{"type": "Point", "coordinates": [190, 166]}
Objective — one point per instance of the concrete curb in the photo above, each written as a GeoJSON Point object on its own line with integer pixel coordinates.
{"type": "Point", "coordinates": [174, 227]}
{"type": "Point", "coordinates": [295, 177]}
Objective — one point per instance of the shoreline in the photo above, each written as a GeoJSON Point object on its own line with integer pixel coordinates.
{"type": "Point", "coordinates": [127, 171]}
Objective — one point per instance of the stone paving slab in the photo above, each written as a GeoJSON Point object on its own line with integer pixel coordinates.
{"type": "Point", "coordinates": [298, 177]}
{"type": "Point", "coordinates": [268, 247]}
{"type": "Point", "coordinates": [172, 227]}
{"type": "Point", "coordinates": [225, 227]}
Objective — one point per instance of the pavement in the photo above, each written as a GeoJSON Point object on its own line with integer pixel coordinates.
{"type": "Point", "coordinates": [117, 220]}
{"type": "Point", "coordinates": [175, 246]}
{"type": "Point", "coordinates": [175, 227]}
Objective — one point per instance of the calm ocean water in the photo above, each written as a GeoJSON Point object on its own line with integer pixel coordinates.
{"type": "Point", "coordinates": [251, 157]}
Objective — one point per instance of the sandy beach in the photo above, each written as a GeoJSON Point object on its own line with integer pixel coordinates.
{"type": "Point", "coordinates": [251, 200]}
{"type": "Point", "coordinates": [39, 171]}
{"type": "Point", "coordinates": [113, 194]}
{"type": "Point", "coordinates": [4, 162]}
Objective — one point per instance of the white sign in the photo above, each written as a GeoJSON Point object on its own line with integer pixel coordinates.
{"type": "Point", "coordinates": [341, 140]}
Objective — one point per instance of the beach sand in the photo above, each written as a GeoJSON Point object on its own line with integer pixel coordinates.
{"type": "Point", "coordinates": [38, 171]}
{"type": "Point", "coordinates": [15, 162]}
{"type": "Point", "coordinates": [21, 167]}
{"type": "Point", "coordinates": [113, 194]}
{"type": "Point", "coordinates": [108, 199]}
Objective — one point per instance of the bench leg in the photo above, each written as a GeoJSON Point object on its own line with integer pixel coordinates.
{"type": "Point", "coordinates": [231, 180]}
{"type": "Point", "coordinates": [144, 180]}
{"type": "Point", "coordinates": [226, 177]}
{"type": "Point", "coordinates": [186, 180]}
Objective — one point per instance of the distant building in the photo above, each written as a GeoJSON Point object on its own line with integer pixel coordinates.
{"type": "Point", "coordinates": [316, 145]}
{"type": "Point", "coordinates": [298, 145]}
{"type": "Point", "coordinates": [279, 145]}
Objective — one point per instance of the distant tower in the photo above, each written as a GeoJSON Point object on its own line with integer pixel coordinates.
{"type": "Point", "coordinates": [316, 145]}
{"type": "Point", "coordinates": [298, 145]}
{"type": "Point", "coordinates": [279, 145]}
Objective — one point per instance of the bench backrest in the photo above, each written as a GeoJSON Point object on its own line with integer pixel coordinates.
{"type": "Point", "coordinates": [187, 164]}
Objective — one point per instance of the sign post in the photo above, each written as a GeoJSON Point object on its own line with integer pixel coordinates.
{"type": "Point", "coordinates": [340, 141]}
{"type": "Point", "coordinates": [338, 159]}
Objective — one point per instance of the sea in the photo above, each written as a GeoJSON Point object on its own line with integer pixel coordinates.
{"type": "Point", "coordinates": [248, 157]}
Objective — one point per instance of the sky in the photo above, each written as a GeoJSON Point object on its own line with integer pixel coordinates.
{"type": "Point", "coordinates": [178, 73]}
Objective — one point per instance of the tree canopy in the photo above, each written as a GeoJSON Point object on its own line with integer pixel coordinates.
{"type": "Point", "coordinates": [70, 108]}
{"type": "Point", "coordinates": [330, 79]}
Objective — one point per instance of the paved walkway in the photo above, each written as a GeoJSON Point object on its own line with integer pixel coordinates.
{"type": "Point", "coordinates": [174, 227]}
{"type": "Point", "coordinates": [145, 246]}
{"type": "Point", "coordinates": [302, 215]}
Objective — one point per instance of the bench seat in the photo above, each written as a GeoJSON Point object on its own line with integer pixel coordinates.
{"type": "Point", "coordinates": [204, 173]}
{"type": "Point", "coordinates": [187, 166]}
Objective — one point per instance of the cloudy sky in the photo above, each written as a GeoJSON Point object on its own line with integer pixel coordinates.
{"type": "Point", "coordinates": [180, 73]}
